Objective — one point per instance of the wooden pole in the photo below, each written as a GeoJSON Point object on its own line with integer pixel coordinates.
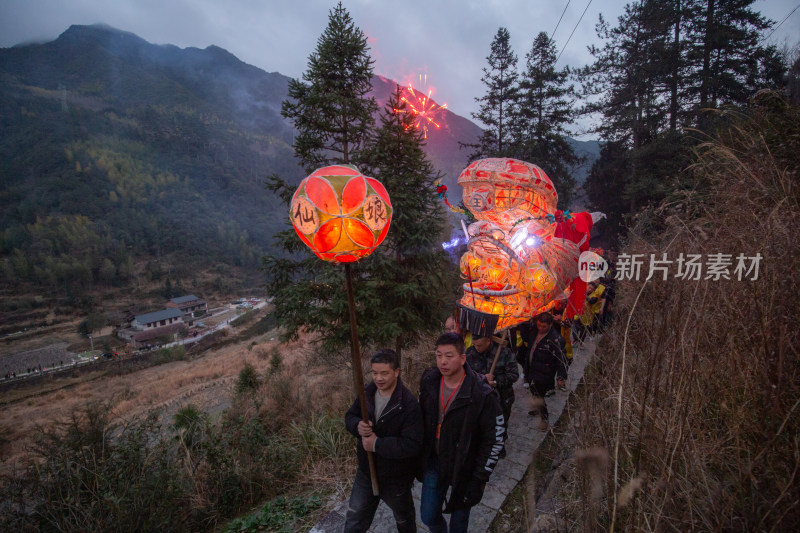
{"type": "Point", "coordinates": [358, 378]}
{"type": "Point", "coordinates": [499, 349]}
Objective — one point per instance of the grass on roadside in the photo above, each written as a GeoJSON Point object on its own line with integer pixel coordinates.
{"type": "Point", "coordinates": [516, 514]}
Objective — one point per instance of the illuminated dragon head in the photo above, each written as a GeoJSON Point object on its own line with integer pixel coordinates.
{"type": "Point", "coordinates": [514, 266]}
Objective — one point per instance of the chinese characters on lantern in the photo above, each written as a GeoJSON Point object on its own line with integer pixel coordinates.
{"type": "Point", "coordinates": [375, 213]}
{"type": "Point", "coordinates": [340, 214]}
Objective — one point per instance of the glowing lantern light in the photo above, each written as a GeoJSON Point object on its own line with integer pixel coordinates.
{"type": "Point", "coordinates": [515, 265]}
{"type": "Point", "coordinates": [341, 214]}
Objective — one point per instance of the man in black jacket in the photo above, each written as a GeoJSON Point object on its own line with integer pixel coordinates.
{"type": "Point", "coordinates": [394, 434]}
{"type": "Point", "coordinates": [463, 437]}
{"type": "Point", "coordinates": [544, 362]}
{"type": "Point", "coordinates": [480, 357]}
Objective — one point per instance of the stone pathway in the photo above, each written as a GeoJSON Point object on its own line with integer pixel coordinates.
{"type": "Point", "coordinates": [523, 440]}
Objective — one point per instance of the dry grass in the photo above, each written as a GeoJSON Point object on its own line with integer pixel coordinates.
{"type": "Point", "coordinates": [282, 434]}
{"type": "Point", "coordinates": [694, 396]}
{"type": "Point", "coordinates": [206, 381]}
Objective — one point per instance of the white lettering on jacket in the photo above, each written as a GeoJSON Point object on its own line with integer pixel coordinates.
{"type": "Point", "coordinates": [494, 455]}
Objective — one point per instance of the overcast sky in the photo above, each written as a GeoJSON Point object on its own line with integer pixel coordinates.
{"type": "Point", "coordinates": [446, 39]}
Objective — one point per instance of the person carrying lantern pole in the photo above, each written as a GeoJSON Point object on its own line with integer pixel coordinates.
{"type": "Point", "coordinates": [589, 319]}
{"type": "Point", "coordinates": [563, 325]}
{"type": "Point", "coordinates": [342, 216]}
{"type": "Point", "coordinates": [394, 434]}
{"type": "Point", "coordinates": [497, 363]}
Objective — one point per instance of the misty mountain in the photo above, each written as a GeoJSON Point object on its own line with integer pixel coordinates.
{"type": "Point", "coordinates": [112, 147]}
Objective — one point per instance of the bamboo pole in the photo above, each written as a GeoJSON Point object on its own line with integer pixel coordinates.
{"type": "Point", "coordinates": [358, 377]}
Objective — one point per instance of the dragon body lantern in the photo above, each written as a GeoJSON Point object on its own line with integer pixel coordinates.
{"type": "Point", "coordinates": [515, 266]}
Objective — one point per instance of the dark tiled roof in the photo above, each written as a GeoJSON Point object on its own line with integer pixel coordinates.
{"type": "Point", "coordinates": [184, 299]}
{"type": "Point", "coordinates": [155, 316]}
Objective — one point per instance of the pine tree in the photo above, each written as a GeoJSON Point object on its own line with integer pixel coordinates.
{"type": "Point", "coordinates": [659, 68]}
{"type": "Point", "coordinates": [168, 291]}
{"type": "Point", "coordinates": [398, 289]}
{"type": "Point", "coordinates": [497, 104]}
{"type": "Point", "coordinates": [546, 108]}
{"type": "Point", "coordinates": [410, 269]}
{"type": "Point", "coordinates": [604, 186]}
{"type": "Point", "coordinates": [726, 61]}
{"type": "Point", "coordinates": [622, 77]}
{"type": "Point", "coordinates": [330, 108]}
{"type": "Point", "coordinates": [676, 15]}
{"type": "Point", "coordinates": [334, 118]}
{"type": "Point", "coordinates": [634, 77]}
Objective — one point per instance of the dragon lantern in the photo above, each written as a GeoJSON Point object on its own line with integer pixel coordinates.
{"type": "Point", "coordinates": [515, 266]}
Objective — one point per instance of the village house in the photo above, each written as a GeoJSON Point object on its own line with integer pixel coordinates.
{"type": "Point", "coordinates": [157, 319]}
{"type": "Point", "coordinates": [149, 327]}
{"type": "Point", "coordinates": [188, 304]}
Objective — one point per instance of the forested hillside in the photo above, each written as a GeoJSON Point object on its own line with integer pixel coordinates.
{"type": "Point", "coordinates": [114, 149]}
{"type": "Point", "coordinates": [115, 152]}
{"type": "Point", "coordinates": [661, 79]}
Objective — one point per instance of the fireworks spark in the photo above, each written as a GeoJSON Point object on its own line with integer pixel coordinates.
{"type": "Point", "coordinates": [422, 106]}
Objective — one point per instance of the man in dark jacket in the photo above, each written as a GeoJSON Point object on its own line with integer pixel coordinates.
{"type": "Point", "coordinates": [480, 357]}
{"type": "Point", "coordinates": [463, 437]}
{"type": "Point", "coordinates": [544, 362]}
{"type": "Point", "coordinates": [394, 434]}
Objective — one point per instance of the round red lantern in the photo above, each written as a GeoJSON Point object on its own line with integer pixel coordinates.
{"type": "Point", "coordinates": [341, 214]}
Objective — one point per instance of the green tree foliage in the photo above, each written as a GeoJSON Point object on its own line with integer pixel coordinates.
{"type": "Point", "coordinates": [88, 473]}
{"type": "Point", "coordinates": [108, 271]}
{"type": "Point", "coordinates": [543, 115]}
{"type": "Point", "coordinates": [146, 160]}
{"type": "Point", "coordinates": [330, 108]}
{"type": "Point", "coordinates": [725, 59]}
{"type": "Point", "coordinates": [169, 290]}
{"type": "Point", "coordinates": [793, 75]}
{"type": "Point", "coordinates": [333, 118]}
{"type": "Point", "coordinates": [410, 270]}
{"type": "Point", "coordinates": [248, 379]}
{"type": "Point", "coordinates": [398, 289]}
{"type": "Point", "coordinates": [659, 70]}
{"type": "Point", "coordinates": [621, 79]}
{"type": "Point", "coordinates": [192, 425]}
{"type": "Point", "coordinates": [497, 105]}
{"type": "Point", "coordinates": [92, 323]}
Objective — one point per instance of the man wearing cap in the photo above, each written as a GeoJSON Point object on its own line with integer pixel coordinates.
{"type": "Point", "coordinates": [480, 357]}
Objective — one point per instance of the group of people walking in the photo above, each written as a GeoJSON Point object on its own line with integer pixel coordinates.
{"type": "Point", "coordinates": [450, 438]}
{"type": "Point", "coordinates": [452, 435]}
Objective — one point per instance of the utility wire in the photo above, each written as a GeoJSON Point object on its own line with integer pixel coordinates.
{"type": "Point", "coordinates": [552, 35]}
{"type": "Point", "coordinates": [779, 25]}
{"type": "Point", "coordinates": [573, 31]}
